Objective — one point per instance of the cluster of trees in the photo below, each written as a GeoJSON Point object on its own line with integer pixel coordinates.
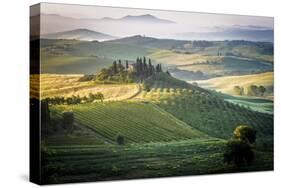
{"type": "Point", "coordinates": [143, 69]}
{"type": "Point", "coordinates": [252, 90]}
{"type": "Point", "coordinates": [116, 72]}
{"type": "Point", "coordinates": [239, 149]}
{"type": "Point", "coordinates": [238, 90]}
{"type": "Point", "coordinates": [128, 73]}
{"type": "Point", "coordinates": [75, 99]}
{"type": "Point", "coordinates": [53, 125]}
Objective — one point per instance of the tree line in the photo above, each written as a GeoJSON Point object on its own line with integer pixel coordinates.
{"type": "Point", "coordinates": [252, 90]}
{"type": "Point", "coordinates": [144, 69]}
{"type": "Point", "coordinates": [75, 99]}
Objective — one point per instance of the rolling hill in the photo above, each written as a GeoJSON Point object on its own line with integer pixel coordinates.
{"type": "Point", "coordinates": [174, 127]}
{"type": "Point", "coordinates": [148, 42]}
{"type": "Point", "coordinates": [145, 18]}
{"type": "Point", "coordinates": [226, 84]}
{"type": "Point", "coordinates": [228, 66]}
{"type": "Point", "coordinates": [137, 122]}
{"type": "Point", "coordinates": [87, 57]}
{"type": "Point", "coordinates": [207, 111]}
{"type": "Point", "coordinates": [53, 85]}
{"type": "Point", "coordinates": [79, 34]}
{"type": "Point", "coordinates": [83, 57]}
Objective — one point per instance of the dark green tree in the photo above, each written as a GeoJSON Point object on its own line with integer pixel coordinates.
{"type": "Point", "coordinates": [127, 65]}
{"type": "Point", "coordinates": [245, 133]}
{"type": "Point", "coordinates": [114, 67]}
{"type": "Point", "coordinates": [262, 90]}
{"type": "Point", "coordinates": [68, 121]}
{"type": "Point", "coordinates": [120, 140]}
{"type": "Point", "coordinates": [239, 153]}
{"type": "Point", "coordinates": [120, 67]}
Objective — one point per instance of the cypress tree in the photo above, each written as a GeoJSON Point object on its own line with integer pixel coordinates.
{"type": "Point", "coordinates": [114, 67]}
{"type": "Point", "coordinates": [127, 65]}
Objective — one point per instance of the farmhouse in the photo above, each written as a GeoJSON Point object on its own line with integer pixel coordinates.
{"type": "Point", "coordinates": [131, 67]}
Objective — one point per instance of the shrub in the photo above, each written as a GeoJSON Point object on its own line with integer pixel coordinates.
{"type": "Point", "coordinates": [120, 140]}
{"type": "Point", "coordinates": [238, 152]}
{"type": "Point", "coordinates": [68, 121]}
{"type": "Point", "coordinates": [245, 133]}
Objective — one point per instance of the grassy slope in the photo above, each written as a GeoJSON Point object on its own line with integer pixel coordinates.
{"type": "Point", "coordinates": [208, 112]}
{"type": "Point", "coordinates": [259, 105]}
{"type": "Point", "coordinates": [95, 163]}
{"type": "Point", "coordinates": [225, 84]}
{"type": "Point", "coordinates": [137, 122]}
{"type": "Point", "coordinates": [230, 65]}
{"type": "Point", "coordinates": [52, 85]}
{"type": "Point", "coordinates": [177, 148]}
{"type": "Point", "coordinates": [83, 57]}
{"type": "Point", "coordinates": [172, 58]}
{"type": "Point", "coordinates": [261, 51]}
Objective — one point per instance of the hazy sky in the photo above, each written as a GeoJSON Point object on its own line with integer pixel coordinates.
{"type": "Point", "coordinates": [202, 19]}
{"type": "Point", "coordinates": [185, 21]}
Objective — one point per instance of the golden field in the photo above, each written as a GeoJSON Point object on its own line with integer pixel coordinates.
{"type": "Point", "coordinates": [225, 84]}
{"type": "Point", "coordinates": [52, 85]}
{"type": "Point", "coordinates": [170, 57]}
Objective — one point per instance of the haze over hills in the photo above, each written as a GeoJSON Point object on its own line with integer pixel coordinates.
{"type": "Point", "coordinates": [148, 42]}
{"type": "Point", "coordinates": [147, 18]}
{"type": "Point", "coordinates": [52, 23]}
{"type": "Point", "coordinates": [154, 26]}
{"type": "Point", "coordinates": [79, 34]}
{"type": "Point", "coordinates": [265, 35]}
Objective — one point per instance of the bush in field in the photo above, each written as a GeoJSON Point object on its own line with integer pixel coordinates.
{"type": "Point", "coordinates": [239, 153]}
{"type": "Point", "coordinates": [262, 90]}
{"type": "Point", "coordinates": [245, 133]}
{"type": "Point", "coordinates": [120, 140]}
{"type": "Point", "coordinates": [146, 87]}
{"type": "Point", "coordinates": [68, 121]}
{"type": "Point", "coordinates": [254, 90]}
{"type": "Point", "coordinates": [238, 150]}
{"type": "Point", "coordinates": [238, 90]}
{"type": "Point", "coordinates": [99, 96]}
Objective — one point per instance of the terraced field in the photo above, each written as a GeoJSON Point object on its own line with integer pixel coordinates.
{"type": "Point", "coordinates": [138, 122]}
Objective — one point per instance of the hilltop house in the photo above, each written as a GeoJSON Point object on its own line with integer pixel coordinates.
{"type": "Point", "coordinates": [131, 67]}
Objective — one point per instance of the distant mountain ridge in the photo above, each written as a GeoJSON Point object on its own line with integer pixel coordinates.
{"type": "Point", "coordinates": [136, 18]}
{"type": "Point", "coordinates": [148, 18]}
{"type": "Point", "coordinates": [79, 34]}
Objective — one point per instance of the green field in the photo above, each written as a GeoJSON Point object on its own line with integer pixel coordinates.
{"type": "Point", "coordinates": [199, 109]}
{"type": "Point", "coordinates": [230, 66]}
{"type": "Point", "coordinates": [83, 57]}
{"type": "Point", "coordinates": [137, 122]}
{"type": "Point", "coordinates": [259, 105]}
{"type": "Point", "coordinates": [73, 163]}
